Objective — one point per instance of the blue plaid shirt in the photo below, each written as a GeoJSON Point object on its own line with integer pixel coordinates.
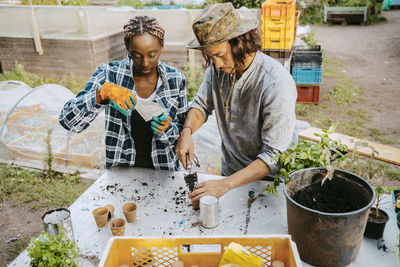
{"type": "Point", "coordinates": [79, 112]}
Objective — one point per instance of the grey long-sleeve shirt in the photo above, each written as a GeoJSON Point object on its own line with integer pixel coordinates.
{"type": "Point", "coordinates": [262, 119]}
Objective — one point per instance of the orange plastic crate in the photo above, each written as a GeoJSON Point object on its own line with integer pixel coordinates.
{"type": "Point", "coordinates": [307, 93]}
{"type": "Point", "coordinates": [204, 251]}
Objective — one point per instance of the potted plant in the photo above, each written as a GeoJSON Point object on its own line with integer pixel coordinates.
{"type": "Point", "coordinates": [327, 222]}
{"type": "Point", "coordinates": [377, 217]}
{"type": "Point", "coordinates": [326, 230]}
{"type": "Point", "coordinates": [308, 154]}
{"type": "Point", "coordinates": [48, 251]}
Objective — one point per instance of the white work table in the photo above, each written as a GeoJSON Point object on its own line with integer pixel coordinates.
{"type": "Point", "coordinates": [163, 209]}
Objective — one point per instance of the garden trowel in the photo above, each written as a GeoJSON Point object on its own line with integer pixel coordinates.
{"type": "Point", "coordinates": [191, 178]}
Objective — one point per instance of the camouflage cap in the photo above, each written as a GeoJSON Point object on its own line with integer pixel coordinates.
{"type": "Point", "coordinates": [218, 23]}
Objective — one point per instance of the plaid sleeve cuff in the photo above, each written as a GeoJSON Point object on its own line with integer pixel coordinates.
{"type": "Point", "coordinates": [90, 99]}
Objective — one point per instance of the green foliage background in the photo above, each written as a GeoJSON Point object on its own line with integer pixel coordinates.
{"type": "Point", "coordinates": [133, 3]}
{"type": "Point", "coordinates": [246, 3]}
{"type": "Point", "coordinates": [33, 80]}
{"type": "Point", "coordinates": [54, 2]}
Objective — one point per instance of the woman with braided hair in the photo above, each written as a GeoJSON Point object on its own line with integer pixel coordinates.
{"type": "Point", "coordinates": [116, 87]}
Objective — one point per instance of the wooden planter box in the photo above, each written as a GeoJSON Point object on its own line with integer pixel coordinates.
{"type": "Point", "coordinates": [84, 149]}
{"type": "Point", "coordinates": [61, 57]}
{"type": "Point", "coordinates": [33, 146]}
{"type": "Point", "coordinates": [30, 121]}
{"type": "Point", "coordinates": [344, 15]}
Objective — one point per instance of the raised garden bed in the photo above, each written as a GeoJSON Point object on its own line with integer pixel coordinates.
{"type": "Point", "coordinates": [83, 150]}
{"type": "Point", "coordinates": [33, 146]}
{"type": "Point", "coordinates": [345, 14]}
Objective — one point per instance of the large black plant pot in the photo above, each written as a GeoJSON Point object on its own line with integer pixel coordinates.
{"type": "Point", "coordinates": [328, 238]}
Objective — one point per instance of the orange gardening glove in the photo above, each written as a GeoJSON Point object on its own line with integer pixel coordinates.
{"type": "Point", "coordinates": [160, 124]}
{"type": "Point", "coordinates": [120, 98]}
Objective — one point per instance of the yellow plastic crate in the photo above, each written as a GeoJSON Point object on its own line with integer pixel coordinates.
{"type": "Point", "coordinates": [278, 32]}
{"type": "Point", "coordinates": [282, 22]}
{"type": "Point", "coordinates": [278, 8]}
{"type": "Point", "coordinates": [276, 43]}
{"type": "Point", "coordinates": [203, 252]}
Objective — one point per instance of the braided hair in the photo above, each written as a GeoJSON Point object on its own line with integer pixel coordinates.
{"type": "Point", "coordinates": [141, 24]}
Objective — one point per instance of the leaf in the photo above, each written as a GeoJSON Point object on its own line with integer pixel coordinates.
{"type": "Point", "coordinates": [332, 128]}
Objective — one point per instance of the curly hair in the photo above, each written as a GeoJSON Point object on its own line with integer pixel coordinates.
{"type": "Point", "coordinates": [241, 46]}
{"type": "Point", "coordinates": [141, 24]}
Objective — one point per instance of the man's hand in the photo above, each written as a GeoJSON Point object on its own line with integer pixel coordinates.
{"type": "Point", "coordinates": [160, 124]}
{"type": "Point", "coordinates": [216, 188]}
{"type": "Point", "coordinates": [185, 146]}
{"type": "Point", "coordinates": [120, 98]}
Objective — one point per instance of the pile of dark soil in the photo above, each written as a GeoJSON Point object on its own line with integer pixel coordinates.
{"type": "Point", "coordinates": [336, 196]}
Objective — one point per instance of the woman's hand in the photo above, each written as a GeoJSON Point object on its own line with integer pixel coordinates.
{"type": "Point", "coordinates": [120, 98]}
{"type": "Point", "coordinates": [160, 124]}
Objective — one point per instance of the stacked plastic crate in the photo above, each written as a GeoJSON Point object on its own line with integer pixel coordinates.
{"type": "Point", "coordinates": [278, 23]}
{"type": "Point", "coordinates": [306, 69]}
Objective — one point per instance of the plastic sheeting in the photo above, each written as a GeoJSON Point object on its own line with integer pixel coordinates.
{"type": "Point", "coordinates": [26, 115]}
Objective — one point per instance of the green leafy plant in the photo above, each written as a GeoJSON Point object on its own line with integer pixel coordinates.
{"type": "Point", "coordinates": [154, 3]}
{"type": "Point", "coordinates": [380, 190]}
{"type": "Point", "coordinates": [246, 3]}
{"type": "Point", "coordinates": [49, 157]}
{"type": "Point", "coordinates": [362, 166]}
{"type": "Point", "coordinates": [313, 14]}
{"type": "Point", "coordinates": [307, 154]}
{"type": "Point", "coordinates": [309, 39]}
{"type": "Point", "coordinates": [20, 74]}
{"type": "Point", "coordinates": [48, 251]}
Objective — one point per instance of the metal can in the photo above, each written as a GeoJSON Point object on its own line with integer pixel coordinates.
{"type": "Point", "coordinates": [57, 219]}
{"type": "Point", "coordinates": [209, 211]}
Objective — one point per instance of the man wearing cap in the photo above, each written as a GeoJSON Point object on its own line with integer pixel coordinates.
{"type": "Point", "coordinates": [253, 97]}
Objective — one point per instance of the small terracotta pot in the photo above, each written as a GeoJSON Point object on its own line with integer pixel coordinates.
{"type": "Point", "coordinates": [117, 227]}
{"type": "Point", "coordinates": [110, 211]}
{"type": "Point", "coordinates": [100, 216]}
{"type": "Point", "coordinates": [129, 211]}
